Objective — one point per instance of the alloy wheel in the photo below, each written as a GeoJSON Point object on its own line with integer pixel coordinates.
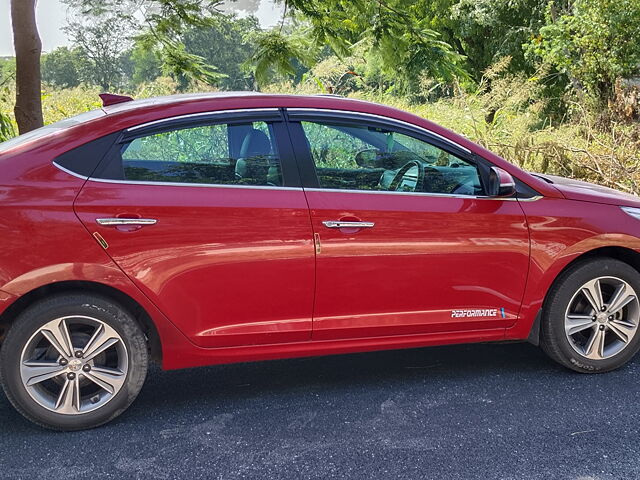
{"type": "Point", "coordinates": [602, 318]}
{"type": "Point", "coordinates": [74, 364]}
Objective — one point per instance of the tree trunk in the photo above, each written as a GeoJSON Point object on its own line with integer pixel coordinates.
{"type": "Point", "coordinates": [28, 109]}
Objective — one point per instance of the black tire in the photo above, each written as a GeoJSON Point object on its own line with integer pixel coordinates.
{"type": "Point", "coordinates": [73, 304]}
{"type": "Point", "coordinates": [553, 339]}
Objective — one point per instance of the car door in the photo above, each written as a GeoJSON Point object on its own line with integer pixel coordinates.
{"type": "Point", "coordinates": [397, 258]}
{"type": "Point", "coordinates": [206, 215]}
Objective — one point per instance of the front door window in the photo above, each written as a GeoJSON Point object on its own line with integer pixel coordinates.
{"type": "Point", "coordinates": [355, 157]}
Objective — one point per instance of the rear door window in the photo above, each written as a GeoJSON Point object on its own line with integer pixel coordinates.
{"type": "Point", "coordinates": [223, 153]}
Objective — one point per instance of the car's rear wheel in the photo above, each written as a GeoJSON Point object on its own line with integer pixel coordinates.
{"type": "Point", "coordinates": [73, 361]}
{"type": "Point", "coordinates": [591, 317]}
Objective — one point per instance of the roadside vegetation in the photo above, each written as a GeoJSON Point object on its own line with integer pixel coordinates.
{"type": "Point", "coordinates": [552, 86]}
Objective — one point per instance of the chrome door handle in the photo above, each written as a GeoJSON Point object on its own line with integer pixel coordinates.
{"type": "Point", "coordinates": [340, 224]}
{"type": "Point", "coordinates": [109, 222]}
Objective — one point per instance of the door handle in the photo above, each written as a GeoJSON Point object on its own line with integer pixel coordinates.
{"type": "Point", "coordinates": [341, 224]}
{"type": "Point", "coordinates": [114, 222]}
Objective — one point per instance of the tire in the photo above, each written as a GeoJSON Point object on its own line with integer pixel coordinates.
{"type": "Point", "coordinates": [577, 336]}
{"type": "Point", "coordinates": [100, 374]}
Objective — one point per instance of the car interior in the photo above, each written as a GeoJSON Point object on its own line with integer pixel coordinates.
{"type": "Point", "coordinates": [386, 163]}
{"type": "Point", "coordinates": [248, 157]}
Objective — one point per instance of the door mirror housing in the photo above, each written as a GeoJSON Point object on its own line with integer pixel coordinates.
{"type": "Point", "coordinates": [501, 183]}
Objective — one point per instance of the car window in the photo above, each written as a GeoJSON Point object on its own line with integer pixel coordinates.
{"type": "Point", "coordinates": [350, 157]}
{"type": "Point", "coordinates": [231, 154]}
{"type": "Point", "coordinates": [334, 147]}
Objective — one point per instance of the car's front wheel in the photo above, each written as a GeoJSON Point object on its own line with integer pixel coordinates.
{"type": "Point", "coordinates": [73, 361]}
{"type": "Point", "coordinates": [591, 316]}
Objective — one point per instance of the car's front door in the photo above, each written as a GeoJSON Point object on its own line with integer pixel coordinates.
{"type": "Point", "coordinates": [406, 240]}
{"type": "Point", "coordinates": [206, 215]}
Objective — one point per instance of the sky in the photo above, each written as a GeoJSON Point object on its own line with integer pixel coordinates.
{"type": "Point", "coordinates": [51, 16]}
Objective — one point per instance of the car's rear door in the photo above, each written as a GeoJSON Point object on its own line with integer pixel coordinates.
{"type": "Point", "coordinates": [205, 213]}
{"type": "Point", "coordinates": [394, 261]}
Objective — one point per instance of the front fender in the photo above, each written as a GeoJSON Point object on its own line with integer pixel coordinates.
{"type": "Point", "coordinates": [562, 231]}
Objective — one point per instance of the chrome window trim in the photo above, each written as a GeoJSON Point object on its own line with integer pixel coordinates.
{"type": "Point", "coordinates": [382, 118]}
{"type": "Point", "coordinates": [426, 194]}
{"type": "Point", "coordinates": [171, 184]}
{"type": "Point", "coordinates": [268, 187]}
{"type": "Point", "coordinates": [70, 172]}
{"type": "Point", "coordinates": [200, 115]}
{"type": "Point", "coordinates": [187, 184]}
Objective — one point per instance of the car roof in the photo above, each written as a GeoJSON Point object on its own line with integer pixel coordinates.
{"type": "Point", "coordinates": [120, 116]}
{"type": "Point", "coordinates": [169, 100]}
{"type": "Point", "coordinates": [172, 99]}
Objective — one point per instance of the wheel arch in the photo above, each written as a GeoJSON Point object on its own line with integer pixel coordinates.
{"type": "Point", "coordinates": [624, 254]}
{"type": "Point", "coordinates": [138, 312]}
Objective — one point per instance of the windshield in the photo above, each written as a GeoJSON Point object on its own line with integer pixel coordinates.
{"type": "Point", "coordinates": [50, 129]}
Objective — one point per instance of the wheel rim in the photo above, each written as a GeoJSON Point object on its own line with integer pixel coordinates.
{"type": "Point", "coordinates": [602, 318]}
{"type": "Point", "coordinates": [74, 365]}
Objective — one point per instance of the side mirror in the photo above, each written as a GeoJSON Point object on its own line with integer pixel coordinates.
{"type": "Point", "coordinates": [501, 183]}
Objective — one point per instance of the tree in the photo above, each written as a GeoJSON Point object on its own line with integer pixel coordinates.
{"type": "Point", "coordinates": [163, 23]}
{"type": "Point", "coordinates": [28, 108]}
{"type": "Point", "coordinates": [164, 18]}
{"type": "Point", "coordinates": [63, 67]}
{"type": "Point", "coordinates": [394, 31]}
{"type": "Point", "coordinates": [227, 45]}
{"type": "Point", "coordinates": [593, 42]}
{"type": "Point", "coordinates": [484, 31]}
{"type": "Point", "coordinates": [142, 65]}
{"type": "Point", "coordinates": [100, 39]}
{"type": "Point", "coordinates": [277, 54]}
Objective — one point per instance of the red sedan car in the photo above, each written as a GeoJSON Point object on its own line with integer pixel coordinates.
{"type": "Point", "coordinates": [218, 228]}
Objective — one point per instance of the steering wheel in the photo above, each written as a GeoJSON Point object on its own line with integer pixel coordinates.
{"type": "Point", "coordinates": [409, 178]}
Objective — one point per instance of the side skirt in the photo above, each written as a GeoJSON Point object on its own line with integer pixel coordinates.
{"type": "Point", "coordinates": [188, 356]}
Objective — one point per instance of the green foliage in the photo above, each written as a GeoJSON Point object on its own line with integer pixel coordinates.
{"type": "Point", "coordinates": [6, 127]}
{"type": "Point", "coordinates": [141, 64]}
{"type": "Point", "coordinates": [485, 30]}
{"type": "Point", "coordinates": [63, 67]}
{"type": "Point", "coordinates": [336, 75]}
{"type": "Point", "coordinates": [6, 124]}
{"type": "Point", "coordinates": [7, 78]}
{"type": "Point", "coordinates": [593, 42]}
{"type": "Point", "coordinates": [275, 54]}
{"type": "Point", "coordinates": [161, 86]}
{"type": "Point", "coordinates": [61, 104]}
{"type": "Point", "coordinates": [7, 68]}
{"type": "Point", "coordinates": [226, 43]}
{"type": "Point", "coordinates": [163, 23]}
{"type": "Point", "coordinates": [99, 42]}
{"type": "Point", "coordinates": [391, 35]}
{"type": "Point", "coordinates": [184, 66]}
